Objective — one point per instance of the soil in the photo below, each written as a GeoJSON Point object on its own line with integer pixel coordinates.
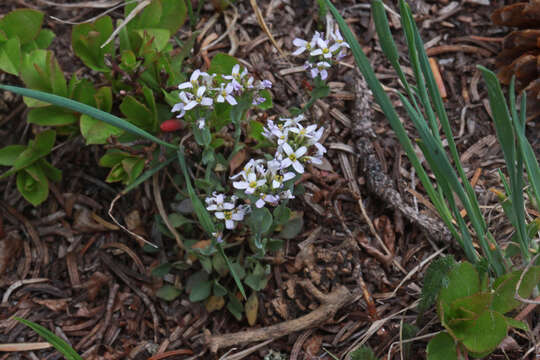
{"type": "Point", "coordinates": [65, 265]}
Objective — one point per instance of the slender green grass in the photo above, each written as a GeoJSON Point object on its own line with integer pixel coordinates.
{"type": "Point", "coordinates": [451, 191]}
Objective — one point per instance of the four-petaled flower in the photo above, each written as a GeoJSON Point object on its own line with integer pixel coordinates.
{"type": "Point", "coordinates": [224, 94]}
{"type": "Point", "coordinates": [198, 99]}
{"type": "Point", "coordinates": [293, 157]}
{"type": "Point", "coordinates": [266, 198]}
{"type": "Point", "coordinates": [231, 217]}
{"type": "Point", "coordinates": [320, 69]}
{"type": "Point", "coordinates": [250, 183]}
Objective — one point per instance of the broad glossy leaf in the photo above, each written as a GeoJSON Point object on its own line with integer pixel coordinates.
{"type": "Point", "coordinates": [442, 347]}
{"type": "Point", "coordinates": [86, 40]}
{"type": "Point", "coordinates": [51, 116]}
{"type": "Point", "coordinates": [22, 23]}
{"type": "Point", "coordinates": [33, 185]}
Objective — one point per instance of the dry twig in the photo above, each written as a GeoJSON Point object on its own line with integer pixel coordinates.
{"type": "Point", "coordinates": [330, 304]}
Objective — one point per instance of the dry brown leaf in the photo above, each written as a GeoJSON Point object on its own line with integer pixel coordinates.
{"type": "Point", "coordinates": [237, 160]}
{"type": "Point", "coordinates": [134, 223]}
{"type": "Point", "coordinates": [199, 245]}
{"type": "Point", "coordinates": [214, 303]}
{"type": "Point", "coordinates": [53, 304]}
{"type": "Point", "coordinates": [252, 308]}
{"type": "Point", "coordinates": [312, 346]}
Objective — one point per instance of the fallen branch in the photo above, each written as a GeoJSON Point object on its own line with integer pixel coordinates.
{"type": "Point", "coordinates": [330, 304]}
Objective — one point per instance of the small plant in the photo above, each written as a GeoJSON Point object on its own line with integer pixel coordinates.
{"type": "Point", "coordinates": [471, 309]}
{"type": "Point", "coordinates": [238, 173]}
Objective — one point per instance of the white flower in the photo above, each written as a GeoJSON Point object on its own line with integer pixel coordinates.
{"type": "Point", "coordinates": [308, 131]}
{"type": "Point", "coordinates": [250, 166]}
{"type": "Point", "coordinates": [293, 158]}
{"type": "Point", "coordinates": [304, 45]}
{"type": "Point", "coordinates": [320, 69]}
{"type": "Point", "coordinates": [258, 100]}
{"type": "Point", "coordinates": [278, 180]}
{"type": "Point", "coordinates": [193, 80]}
{"type": "Point", "coordinates": [199, 99]}
{"type": "Point", "coordinates": [265, 84]}
{"type": "Point", "coordinates": [179, 107]}
{"type": "Point", "coordinates": [224, 93]}
{"type": "Point", "coordinates": [321, 150]}
{"type": "Point", "coordinates": [323, 49]}
{"type": "Point", "coordinates": [250, 183]}
{"type": "Point", "coordinates": [281, 133]}
{"type": "Point", "coordinates": [217, 203]}
{"type": "Point", "coordinates": [293, 121]}
{"type": "Point", "coordinates": [201, 123]}
{"type": "Point", "coordinates": [231, 217]}
{"type": "Point", "coordinates": [266, 198]}
{"type": "Point", "coordinates": [336, 36]}
{"type": "Point", "coordinates": [286, 195]}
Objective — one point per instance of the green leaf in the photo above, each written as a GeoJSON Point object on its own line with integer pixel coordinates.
{"type": "Point", "coordinates": [516, 324]}
{"type": "Point", "coordinates": [235, 307]}
{"type": "Point", "coordinates": [148, 18]}
{"type": "Point", "coordinates": [281, 214]}
{"type": "Point", "coordinates": [88, 110]}
{"type": "Point", "coordinates": [33, 185]}
{"type": "Point", "coordinates": [22, 23]}
{"type": "Point", "coordinates": [220, 265]}
{"type": "Point", "coordinates": [36, 149]}
{"type": "Point", "coordinates": [292, 228]}
{"type": "Point", "coordinates": [51, 338]}
{"type": "Point", "coordinates": [258, 279]}
{"type": "Point", "coordinates": [157, 38]}
{"type": "Point", "coordinates": [363, 353]}
{"type": "Point", "coordinates": [10, 56]}
{"type": "Point", "coordinates": [51, 116]}
{"type": "Point", "coordinates": [9, 154]}
{"type": "Point", "coordinates": [173, 15]}
{"type": "Point", "coordinates": [97, 132]}
{"type": "Point", "coordinates": [137, 113]}
{"type": "Point", "coordinates": [161, 270]}
{"type": "Point", "coordinates": [168, 292]}
{"type": "Point", "coordinates": [44, 38]}
{"type": "Point", "coordinates": [50, 171]}
{"type": "Point", "coordinates": [86, 40]}
{"type": "Point", "coordinates": [218, 289]}
{"type": "Point", "coordinates": [484, 333]}
{"type": "Point", "coordinates": [178, 220]}
{"type": "Point", "coordinates": [237, 275]}
{"type": "Point", "coordinates": [41, 71]}
{"type": "Point", "coordinates": [505, 287]}
{"type": "Point", "coordinates": [442, 347]}
{"type": "Point", "coordinates": [435, 279]}
{"type": "Point", "coordinates": [222, 64]}
{"type": "Point", "coordinates": [463, 281]}
{"type": "Point", "coordinates": [260, 220]}
{"type": "Point", "coordinates": [267, 103]}
{"type": "Point", "coordinates": [200, 291]}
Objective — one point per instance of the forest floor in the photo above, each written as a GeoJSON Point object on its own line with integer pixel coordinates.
{"type": "Point", "coordinates": [357, 269]}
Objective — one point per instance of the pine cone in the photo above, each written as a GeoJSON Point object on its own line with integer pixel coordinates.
{"type": "Point", "coordinates": [521, 49]}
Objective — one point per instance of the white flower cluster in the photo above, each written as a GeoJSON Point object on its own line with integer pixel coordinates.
{"type": "Point", "coordinates": [322, 52]}
{"type": "Point", "coordinates": [265, 181]}
{"type": "Point", "coordinates": [225, 209]}
{"type": "Point", "coordinates": [296, 144]}
{"type": "Point", "coordinates": [203, 89]}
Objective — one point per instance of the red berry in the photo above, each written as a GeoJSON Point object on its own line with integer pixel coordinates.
{"type": "Point", "coordinates": [171, 125]}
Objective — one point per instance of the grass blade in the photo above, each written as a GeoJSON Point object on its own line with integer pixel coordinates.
{"type": "Point", "coordinates": [148, 174]}
{"type": "Point", "coordinates": [382, 99]}
{"type": "Point", "coordinates": [54, 340]}
{"type": "Point", "coordinates": [88, 110]}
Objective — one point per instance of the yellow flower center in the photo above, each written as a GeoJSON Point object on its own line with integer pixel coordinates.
{"type": "Point", "coordinates": [292, 157]}
{"type": "Point", "coordinates": [228, 215]}
{"type": "Point", "coordinates": [253, 184]}
{"type": "Point", "coordinates": [325, 51]}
